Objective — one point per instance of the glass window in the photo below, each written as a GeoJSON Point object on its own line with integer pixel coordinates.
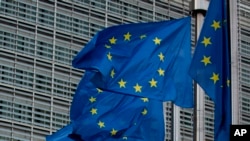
{"type": "Point", "coordinates": [21, 111]}
{"type": "Point", "coordinates": [8, 8]}
{"type": "Point", "coordinates": [46, 17]}
{"type": "Point", "coordinates": [8, 40]}
{"type": "Point", "coordinates": [41, 117]}
{"type": "Point", "coordinates": [27, 11]}
{"type": "Point", "coordinates": [6, 109]}
{"type": "Point", "coordinates": [44, 49]}
{"type": "Point", "coordinates": [25, 45]}
{"type": "Point", "coordinates": [7, 74]}
{"type": "Point", "coordinates": [64, 22]}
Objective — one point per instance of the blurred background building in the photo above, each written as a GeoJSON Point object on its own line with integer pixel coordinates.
{"type": "Point", "coordinates": [39, 38]}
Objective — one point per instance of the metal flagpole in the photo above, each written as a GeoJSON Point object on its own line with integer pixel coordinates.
{"type": "Point", "coordinates": [175, 136]}
{"type": "Point", "coordinates": [199, 11]}
{"type": "Point", "coordinates": [234, 60]}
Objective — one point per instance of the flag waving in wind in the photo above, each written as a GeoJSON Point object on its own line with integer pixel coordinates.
{"type": "Point", "coordinates": [210, 67]}
{"type": "Point", "coordinates": [129, 71]}
{"type": "Point", "coordinates": [99, 115]}
{"type": "Point", "coordinates": [145, 59]}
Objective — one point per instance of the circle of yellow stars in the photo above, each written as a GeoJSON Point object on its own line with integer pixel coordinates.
{"type": "Point", "coordinates": [122, 83]}
{"type": "Point", "coordinates": [101, 124]}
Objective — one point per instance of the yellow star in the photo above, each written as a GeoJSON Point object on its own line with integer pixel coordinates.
{"type": "Point", "coordinates": [153, 83]}
{"type": "Point", "coordinates": [92, 99]}
{"type": "Point", "coordinates": [161, 56]}
{"type": "Point", "coordinates": [216, 25]}
{"type": "Point", "coordinates": [109, 56]}
{"type": "Point", "coordinates": [206, 60]}
{"type": "Point", "coordinates": [112, 40]}
{"type": "Point", "coordinates": [161, 72]}
{"type": "Point", "coordinates": [145, 99]}
{"type": "Point", "coordinates": [93, 111]}
{"type": "Point", "coordinates": [127, 36]}
{"type": "Point", "coordinates": [101, 124]}
{"type": "Point", "coordinates": [228, 82]}
{"type": "Point", "coordinates": [143, 36]}
{"type": "Point", "coordinates": [215, 77]}
{"type": "Point", "coordinates": [144, 112]}
{"type": "Point", "coordinates": [99, 90]}
{"type": "Point", "coordinates": [107, 46]}
{"type": "Point", "coordinates": [122, 83]}
{"type": "Point", "coordinates": [157, 41]}
{"type": "Point", "coordinates": [112, 73]}
{"type": "Point", "coordinates": [137, 88]}
{"type": "Point", "coordinates": [113, 132]}
{"type": "Point", "coordinates": [206, 41]}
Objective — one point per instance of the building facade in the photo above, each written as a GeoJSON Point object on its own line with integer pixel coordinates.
{"type": "Point", "coordinates": [244, 60]}
{"type": "Point", "coordinates": [39, 38]}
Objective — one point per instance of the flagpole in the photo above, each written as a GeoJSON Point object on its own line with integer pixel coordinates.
{"type": "Point", "coordinates": [234, 60]}
{"type": "Point", "coordinates": [199, 11]}
{"type": "Point", "coordinates": [175, 135]}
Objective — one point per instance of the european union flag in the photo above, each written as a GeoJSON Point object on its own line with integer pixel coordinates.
{"type": "Point", "coordinates": [210, 67]}
{"type": "Point", "coordinates": [98, 115]}
{"type": "Point", "coordinates": [129, 70]}
{"type": "Point", "coordinates": [144, 59]}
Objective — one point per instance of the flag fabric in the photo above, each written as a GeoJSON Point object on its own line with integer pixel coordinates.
{"type": "Point", "coordinates": [210, 66]}
{"type": "Point", "coordinates": [143, 59]}
{"type": "Point", "coordinates": [98, 115]}
{"type": "Point", "coordinates": [129, 71]}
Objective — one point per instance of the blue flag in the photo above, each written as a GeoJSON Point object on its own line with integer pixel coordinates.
{"type": "Point", "coordinates": [129, 70]}
{"type": "Point", "coordinates": [98, 115]}
{"type": "Point", "coordinates": [144, 59]}
{"type": "Point", "coordinates": [210, 67]}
